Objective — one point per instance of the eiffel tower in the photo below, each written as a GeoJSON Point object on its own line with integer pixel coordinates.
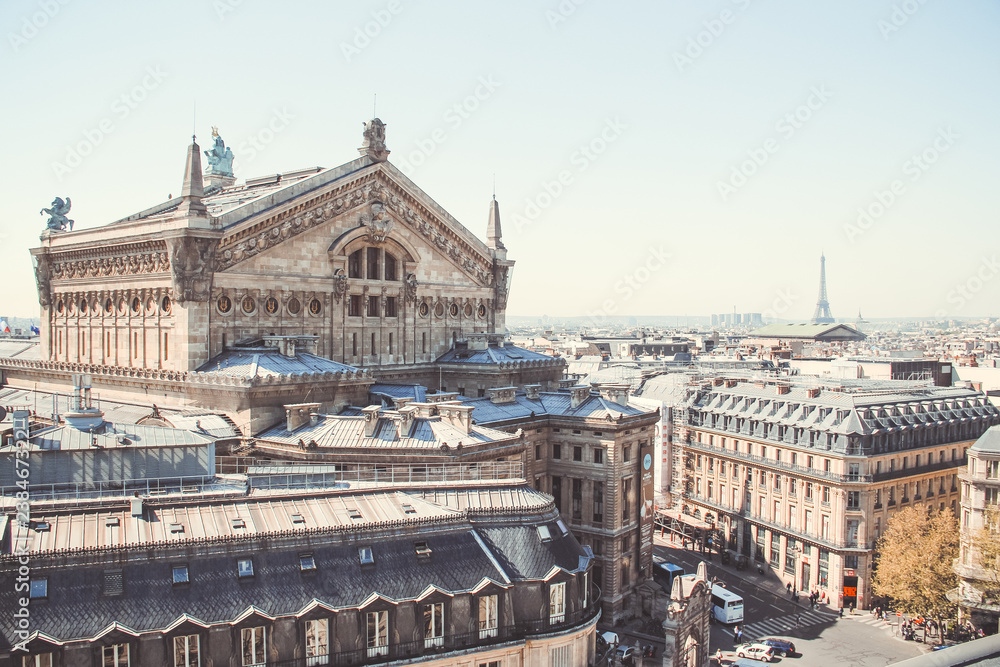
{"type": "Point", "coordinates": [822, 314]}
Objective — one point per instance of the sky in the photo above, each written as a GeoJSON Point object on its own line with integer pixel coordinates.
{"type": "Point", "coordinates": [685, 157]}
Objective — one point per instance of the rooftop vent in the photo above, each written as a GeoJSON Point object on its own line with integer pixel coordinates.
{"type": "Point", "coordinates": [531, 391]}
{"type": "Point", "coordinates": [371, 414]}
{"type": "Point", "coordinates": [578, 395]}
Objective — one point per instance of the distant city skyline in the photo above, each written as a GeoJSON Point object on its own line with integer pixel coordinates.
{"type": "Point", "coordinates": [648, 159]}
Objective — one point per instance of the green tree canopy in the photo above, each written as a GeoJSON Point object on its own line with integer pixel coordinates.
{"type": "Point", "coordinates": [915, 558]}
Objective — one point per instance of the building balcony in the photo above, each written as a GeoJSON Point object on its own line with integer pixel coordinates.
{"type": "Point", "coordinates": [821, 475]}
{"type": "Point", "coordinates": [889, 475]}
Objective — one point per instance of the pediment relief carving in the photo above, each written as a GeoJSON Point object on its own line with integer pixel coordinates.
{"type": "Point", "coordinates": [385, 206]}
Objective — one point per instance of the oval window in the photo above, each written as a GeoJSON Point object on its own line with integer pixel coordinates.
{"type": "Point", "coordinates": [294, 306]}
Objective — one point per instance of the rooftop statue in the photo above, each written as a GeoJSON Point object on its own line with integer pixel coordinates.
{"type": "Point", "coordinates": [57, 215]}
{"type": "Point", "coordinates": [374, 143]}
{"type": "Point", "coordinates": [220, 158]}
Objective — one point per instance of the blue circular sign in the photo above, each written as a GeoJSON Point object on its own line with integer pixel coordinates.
{"type": "Point", "coordinates": [647, 461]}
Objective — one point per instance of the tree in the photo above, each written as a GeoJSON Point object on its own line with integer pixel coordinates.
{"type": "Point", "coordinates": [915, 557]}
{"type": "Point", "coordinates": [986, 552]}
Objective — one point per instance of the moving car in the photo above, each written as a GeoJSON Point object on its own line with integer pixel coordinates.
{"type": "Point", "coordinates": [782, 647]}
{"type": "Point", "coordinates": [755, 651]}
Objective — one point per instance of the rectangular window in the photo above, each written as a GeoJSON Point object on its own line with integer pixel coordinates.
{"type": "Point", "coordinates": [775, 549]}
{"type": "Point", "coordinates": [354, 264]}
{"type": "Point", "coordinates": [489, 617]}
{"type": "Point", "coordinates": [626, 499]}
{"type": "Point", "coordinates": [577, 496]}
{"type": "Point", "coordinates": [598, 501]}
{"type": "Point", "coordinates": [39, 660]}
{"type": "Point", "coordinates": [790, 556]}
{"type": "Point", "coordinates": [423, 342]}
{"type": "Point", "coordinates": [809, 522]}
{"type": "Point", "coordinates": [253, 647]}
{"type": "Point", "coordinates": [390, 267]}
{"type": "Point", "coordinates": [557, 603]}
{"type": "Point", "coordinates": [116, 655]}
{"type": "Point", "coordinates": [390, 306]}
{"type": "Point", "coordinates": [186, 651]}
{"type": "Point", "coordinates": [180, 574]}
{"type": "Point", "coordinates": [434, 624]}
{"type": "Point", "coordinates": [627, 454]}
{"type": "Point", "coordinates": [317, 642]}
{"type": "Point", "coordinates": [711, 489]}
{"type": "Point", "coordinates": [378, 633]}
{"type": "Point", "coordinates": [826, 495]}
{"type": "Point", "coordinates": [993, 470]}
{"type": "Point", "coordinates": [354, 306]}
{"type": "Point", "coordinates": [373, 309]}
{"type": "Point", "coordinates": [578, 453]}
{"type": "Point", "coordinates": [598, 455]}
{"type": "Point", "coordinates": [373, 272]}
{"type": "Point", "coordinates": [853, 500]}
{"type": "Point", "coordinates": [826, 527]}
{"type": "Point", "coordinates": [991, 496]}
{"type": "Point", "coordinates": [557, 451]}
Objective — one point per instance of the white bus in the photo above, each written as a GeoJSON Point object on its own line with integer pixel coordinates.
{"type": "Point", "coordinates": [727, 606]}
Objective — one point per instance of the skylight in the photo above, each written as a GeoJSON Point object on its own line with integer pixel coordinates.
{"type": "Point", "coordinates": [366, 555]}
{"type": "Point", "coordinates": [544, 534]}
{"type": "Point", "coordinates": [180, 574]}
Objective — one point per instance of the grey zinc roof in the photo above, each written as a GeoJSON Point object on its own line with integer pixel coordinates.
{"type": "Point", "coordinates": [348, 431]}
{"type": "Point", "coordinates": [110, 436]}
{"type": "Point", "coordinates": [523, 555]}
{"type": "Point", "coordinates": [989, 441]}
{"type": "Point", "coordinates": [388, 392]}
{"type": "Point", "coordinates": [17, 348]}
{"type": "Point", "coordinates": [548, 403]}
{"type": "Point", "coordinates": [265, 361]}
{"type": "Point", "coordinates": [493, 354]}
{"type": "Point", "coordinates": [834, 331]}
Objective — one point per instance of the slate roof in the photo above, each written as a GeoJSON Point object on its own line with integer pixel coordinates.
{"type": "Point", "coordinates": [989, 441]}
{"type": "Point", "coordinates": [548, 403]}
{"type": "Point", "coordinates": [267, 361]}
{"type": "Point", "coordinates": [467, 549]}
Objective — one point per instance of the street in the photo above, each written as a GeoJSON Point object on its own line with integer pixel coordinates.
{"type": "Point", "coordinates": [820, 636]}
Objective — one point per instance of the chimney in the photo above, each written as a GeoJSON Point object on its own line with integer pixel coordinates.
{"type": "Point", "coordinates": [405, 422]}
{"type": "Point", "coordinates": [298, 414]}
{"type": "Point", "coordinates": [459, 416]}
{"type": "Point", "coordinates": [502, 395]}
{"type": "Point", "coordinates": [617, 393]}
{"type": "Point", "coordinates": [477, 341]}
{"type": "Point", "coordinates": [578, 394]}
{"type": "Point", "coordinates": [568, 383]}
{"type": "Point", "coordinates": [531, 391]}
{"type": "Point", "coordinates": [401, 402]}
{"type": "Point", "coordinates": [371, 414]}
{"type": "Point", "coordinates": [782, 389]}
{"type": "Point", "coordinates": [813, 393]}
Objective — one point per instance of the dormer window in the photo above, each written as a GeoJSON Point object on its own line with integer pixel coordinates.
{"type": "Point", "coordinates": [354, 513]}
{"type": "Point", "coordinates": [544, 534]}
{"type": "Point", "coordinates": [409, 509]}
{"type": "Point", "coordinates": [176, 528]}
{"type": "Point", "coordinates": [423, 550]}
{"type": "Point", "coordinates": [307, 563]}
{"type": "Point", "coordinates": [239, 523]}
{"type": "Point", "coordinates": [298, 518]}
{"type": "Point", "coordinates": [39, 589]}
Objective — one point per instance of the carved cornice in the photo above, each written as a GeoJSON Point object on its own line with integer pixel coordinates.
{"type": "Point", "coordinates": [373, 188]}
{"type": "Point", "coordinates": [157, 261]}
{"type": "Point", "coordinates": [112, 373]}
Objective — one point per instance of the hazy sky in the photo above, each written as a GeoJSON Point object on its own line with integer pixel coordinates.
{"type": "Point", "coordinates": [679, 157]}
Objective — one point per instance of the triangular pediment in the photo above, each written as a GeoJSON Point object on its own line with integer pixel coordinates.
{"type": "Point", "coordinates": [372, 202]}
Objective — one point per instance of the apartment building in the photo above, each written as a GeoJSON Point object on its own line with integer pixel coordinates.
{"type": "Point", "coordinates": [803, 475]}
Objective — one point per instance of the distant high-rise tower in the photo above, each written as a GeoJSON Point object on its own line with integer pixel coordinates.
{"type": "Point", "coordinates": [822, 314]}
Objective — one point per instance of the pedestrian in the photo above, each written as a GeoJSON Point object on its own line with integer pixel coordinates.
{"type": "Point", "coordinates": [718, 655]}
{"type": "Point", "coordinates": [841, 612]}
{"type": "Point", "coordinates": [852, 609]}
{"type": "Point", "coordinates": [736, 634]}
{"type": "Point", "coordinates": [789, 587]}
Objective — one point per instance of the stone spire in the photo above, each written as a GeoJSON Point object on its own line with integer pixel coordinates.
{"type": "Point", "coordinates": [493, 234]}
{"type": "Point", "coordinates": [193, 189]}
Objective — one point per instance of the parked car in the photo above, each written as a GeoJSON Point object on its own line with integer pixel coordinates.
{"type": "Point", "coordinates": [606, 640]}
{"type": "Point", "coordinates": [755, 651]}
{"type": "Point", "coordinates": [782, 647]}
